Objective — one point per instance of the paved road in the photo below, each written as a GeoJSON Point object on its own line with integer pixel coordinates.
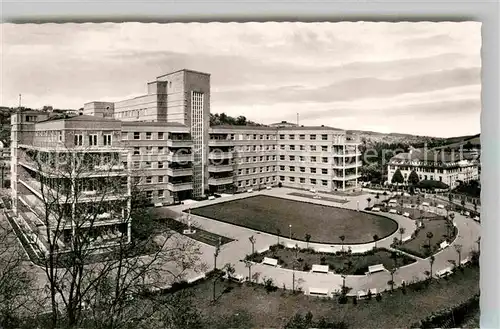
{"type": "Point", "coordinates": [234, 252]}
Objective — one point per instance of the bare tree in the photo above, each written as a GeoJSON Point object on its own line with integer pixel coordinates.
{"type": "Point", "coordinates": [96, 241]}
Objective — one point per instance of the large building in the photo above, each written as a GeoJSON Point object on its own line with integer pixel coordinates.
{"type": "Point", "coordinates": [451, 168]}
{"type": "Point", "coordinates": [167, 149]}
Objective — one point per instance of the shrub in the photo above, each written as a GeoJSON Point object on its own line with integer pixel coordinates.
{"type": "Point", "coordinates": [323, 260]}
{"type": "Point", "coordinates": [342, 299]}
{"type": "Point", "coordinates": [306, 267]}
{"type": "Point", "coordinates": [269, 285]}
{"type": "Point", "coordinates": [378, 297]}
{"type": "Point", "coordinates": [369, 295]}
{"type": "Point", "coordinates": [354, 301]}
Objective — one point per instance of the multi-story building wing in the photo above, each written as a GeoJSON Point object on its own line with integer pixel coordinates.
{"type": "Point", "coordinates": [450, 168]}
{"type": "Point", "coordinates": [63, 167]}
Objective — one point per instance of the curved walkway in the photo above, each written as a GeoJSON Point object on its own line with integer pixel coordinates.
{"type": "Point", "coordinates": [234, 252]}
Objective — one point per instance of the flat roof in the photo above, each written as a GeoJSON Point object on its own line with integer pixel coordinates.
{"type": "Point", "coordinates": [78, 118]}
{"type": "Point", "coordinates": [185, 70]}
{"type": "Point", "coordinates": [153, 124]}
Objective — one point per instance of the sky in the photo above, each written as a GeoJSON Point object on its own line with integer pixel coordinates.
{"type": "Point", "coordinates": [418, 78]}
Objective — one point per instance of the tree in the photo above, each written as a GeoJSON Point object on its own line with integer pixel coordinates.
{"type": "Point", "coordinates": [397, 178]}
{"type": "Point", "coordinates": [462, 202]}
{"type": "Point", "coordinates": [430, 236]}
{"type": "Point", "coordinates": [249, 264]}
{"type": "Point", "coordinates": [308, 238]}
{"type": "Point", "coordinates": [391, 282]}
{"type": "Point", "coordinates": [368, 200]}
{"type": "Point", "coordinates": [375, 238]}
{"type": "Point", "coordinates": [252, 241]}
{"type": "Point", "coordinates": [431, 263]}
{"type": "Point", "coordinates": [85, 205]}
{"type": "Point", "coordinates": [278, 232]}
{"type": "Point", "coordinates": [458, 249]}
{"type": "Point", "coordinates": [413, 178]}
{"type": "Point", "coordinates": [342, 238]}
{"type": "Point", "coordinates": [401, 232]}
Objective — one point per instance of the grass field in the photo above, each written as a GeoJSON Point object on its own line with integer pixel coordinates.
{"type": "Point", "coordinates": [356, 264]}
{"type": "Point", "coordinates": [199, 235]}
{"type": "Point", "coordinates": [416, 246]}
{"type": "Point", "coordinates": [311, 196]}
{"type": "Point", "coordinates": [325, 224]}
{"type": "Point", "coordinates": [250, 306]}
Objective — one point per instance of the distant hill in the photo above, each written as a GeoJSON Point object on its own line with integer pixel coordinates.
{"type": "Point", "coordinates": [466, 142]}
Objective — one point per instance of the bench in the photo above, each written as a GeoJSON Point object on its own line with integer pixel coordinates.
{"type": "Point", "coordinates": [443, 273]}
{"type": "Point", "coordinates": [376, 268]}
{"type": "Point", "coordinates": [406, 214]}
{"type": "Point", "coordinates": [406, 238]}
{"type": "Point", "coordinates": [393, 201]}
{"type": "Point", "coordinates": [211, 197]}
{"type": "Point", "coordinates": [325, 250]}
{"type": "Point", "coordinates": [268, 187]}
{"type": "Point", "coordinates": [199, 277]}
{"type": "Point", "coordinates": [319, 292]}
{"type": "Point", "coordinates": [464, 261]}
{"type": "Point", "coordinates": [440, 206]}
{"type": "Point", "coordinates": [376, 209]}
{"type": "Point", "coordinates": [393, 211]}
{"type": "Point", "coordinates": [158, 204]}
{"type": "Point", "coordinates": [444, 244]}
{"type": "Point", "coordinates": [320, 268]}
{"type": "Point", "coordinates": [425, 204]}
{"type": "Point", "coordinates": [476, 218]}
{"type": "Point", "coordinates": [250, 190]}
{"type": "Point", "coordinates": [270, 261]}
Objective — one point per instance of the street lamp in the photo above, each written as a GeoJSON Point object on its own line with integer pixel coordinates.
{"type": "Point", "coordinates": [290, 227]}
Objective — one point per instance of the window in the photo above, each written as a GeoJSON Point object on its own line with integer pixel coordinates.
{"type": "Point", "coordinates": [254, 137]}
{"type": "Point", "coordinates": [160, 179]}
{"type": "Point", "coordinates": [137, 150]}
{"type": "Point", "coordinates": [79, 140]}
{"type": "Point", "coordinates": [302, 169]}
{"type": "Point", "coordinates": [324, 160]}
{"type": "Point", "coordinates": [161, 135]}
{"type": "Point", "coordinates": [302, 180]}
{"type": "Point", "coordinates": [107, 140]}
{"type": "Point", "coordinates": [292, 147]}
{"type": "Point", "coordinates": [302, 136]}
{"type": "Point", "coordinates": [254, 169]}
{"type": "Point", "coordinates": [161, 193]}
{"type": "Point", "coordinates": [149, 194]}
{"type": "Point", "coordinates": [313, 147]}
{"type": "Point", "coordinates": [292, 157]}
{"type": "Point", "coordinates": [254, 159]}
{"type": "Point", "coordinates": [324, 148]}
{"type": "Point", "coordinates": [137, 164]}
{"type": "Point", "coordinates": [261, 169]}
{"type": "Point", "coordinates": [302, 147]}
{"type": "Point", "coordinates": [291, 136]}
{"type": "Point", "coordinates": [312, 137]}
{"type": "Point", "coordinates": [292, 168]}
{"type": "Point", "coordinates": [282, 167]}
{"type": "Point", "coordinates": [313, 159]}
{"type": "Point", "coordinates": [161, 150]}
{"type": "Point", "coordinates": [282, 136]}
{"type": "Point", "coordinates": [137, 135]}
{"type": "Point", "coordinates": [313, 170]}
{"type": "Point", "coordinates": [59, 136]}
{"type": "Point", "coordinates": [240, 171]}
{"type": "Point", "coordinates": [282, 157]}
{"type": "Point", "coordinates": [313, 181]}
{"type": "Point", "coordinates": [93, 140]}
{"type": "Point", "coordinates": [160, 164]}
{"type": "Point", "coordinates": [324, 171]}
{"type": "Point", "coordinates": [282, 178]}
{"type": "Point", "coordinates": [148, 135]}
{"type": "Point", "coordinates": [149, 149]}
{"type": "Point", "coordinates": [247, 170]}
{"type": "Point", "coordinates": [254, 181]}
{"type": "Point", "coordinates": [302, 158]}
{"type": "Point", "coordinates": [324, 137]}
{"type": "Point", "coordinates": [324, 182]}
{"type": "Point", "coordinates": [282, 147]}
{"type": "Point", "coordinates": [147, 164]}
{"type": "Point", "coordinates": [149, 179]}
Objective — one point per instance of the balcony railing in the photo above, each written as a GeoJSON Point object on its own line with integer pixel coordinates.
{"type": "Point", "coordinates": [220, 142]}
{"type": "Point", "coordinates": [179, 143]}
{"type": "Point", "coordinates": [220, 181]}
{"type": "Point", "coordinates": [181, 157]}
{"type": "Point", "coordinates": [174, 172]}
{"type": "Point", "coordinates": [220, 155]}
{"type": "Point", "coordinates": [220, 168]}
{"type": "Point", "coordinates": [182, 186]}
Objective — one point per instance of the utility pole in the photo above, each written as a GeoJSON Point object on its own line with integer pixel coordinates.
{"type": "Point", "coordinates": [19, 100]}
{"type": "Point", "coordinates": [297, 119]}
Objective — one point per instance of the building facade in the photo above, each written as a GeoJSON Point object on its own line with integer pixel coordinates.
{"type": "Point", "coordinates": [451, 168]}
{"type": "Point", "coordinates": [168, 150]}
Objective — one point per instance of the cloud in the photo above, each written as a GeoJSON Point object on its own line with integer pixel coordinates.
{"type": "Point", "coordinates": [253, 66]}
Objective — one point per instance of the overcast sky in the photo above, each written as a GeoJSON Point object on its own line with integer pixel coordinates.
{"type": "Point", "coordinates": [420, 78]}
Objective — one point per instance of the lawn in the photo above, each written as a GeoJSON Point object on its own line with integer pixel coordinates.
{"type": "Point", "coordinates": [325, 224]}
{"type": "Point", "coordinates": [356, 264]}
{"type": "Point", "coordinates": [251, 306]}
{"type": "Point", "coordinates": [199, 235]}
{"type": "Point", "coordinates": [418, 245]}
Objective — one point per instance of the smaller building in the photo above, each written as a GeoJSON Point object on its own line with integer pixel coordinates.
{"type": "Point", "coordinates": [451, 168]}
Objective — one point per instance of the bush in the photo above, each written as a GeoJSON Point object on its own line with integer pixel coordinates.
{"type": "Point", "coordinates": [342, 299]}
{"type": "Point", "coordinates": [378, 297]}
{"type": "Point", "coordinates": [269, 285]}
{"type": "Point", "coordinates": [306, 267]}
{"type": "Point", "coordinates": [355, 301]}
{"type": "Point", "coordinates": [323, 260]}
